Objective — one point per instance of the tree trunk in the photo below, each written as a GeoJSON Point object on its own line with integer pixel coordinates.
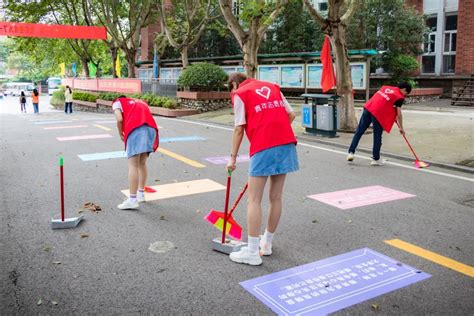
{"type": "Point", "coordinates": [85, 67]}
{"type": "Point", "coordinates": [114, 54]}
{"type": "Point", "coordinates": [184, 56]}
{"type": "Point", "coordinates": [343, 78]}
{"type": "Point", "coordinates": [250, 50]}
{"type": "Point", "coordinates": [130, 55]}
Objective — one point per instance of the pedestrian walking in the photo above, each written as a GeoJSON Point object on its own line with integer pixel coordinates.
{"type": "Point", "coordinates": [382, 110]}
{"type": "Point", "coordinates": [261, 110]}
{"type": "Point", "coordinates": [23, 102]}
{"type": "Point", "coordinates": [35, 101]}
{"type": "Point", "coordinates": [139, 132]}
{"type": "Point", "coordinates": [68, 100]}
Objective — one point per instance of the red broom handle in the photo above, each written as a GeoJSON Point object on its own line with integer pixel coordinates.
{"type": "Point", "coordinates": [61, 180]}
{"type": "Point", "coordinates": [408, 143]}
{"type": "Point", "coordinates": [226, 207]}
{"type": "Point", "coordinates": [238, 199]}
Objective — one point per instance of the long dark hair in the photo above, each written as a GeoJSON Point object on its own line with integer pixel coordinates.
{"type": "Point", "coordinates": [69, 88]}
{"type": "Point", "coordinates": [22, 93]}
{"type": "Point", "coordinates": [35, 92]}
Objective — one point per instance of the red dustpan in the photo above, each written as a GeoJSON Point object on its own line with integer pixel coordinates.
{"type": "Point", "coordinates": [221, 221]}
{"type": "Point", "coordinates": [418, 163]}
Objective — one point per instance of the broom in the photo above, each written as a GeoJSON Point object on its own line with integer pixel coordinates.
{"type": "Point", "coordinates": [418, 163]}
{"type": "Point", "coordinates": [223, 221]}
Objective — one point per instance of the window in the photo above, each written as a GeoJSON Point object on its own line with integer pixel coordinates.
{"type": "Point", "coordinates": [428, 59]}
{"type": "Point", "coordinates": [322, 6]}
{"type": "Point", "coordinates": [449, 44]}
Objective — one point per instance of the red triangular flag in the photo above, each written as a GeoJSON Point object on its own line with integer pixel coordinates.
{"type": "Point", "coordinates": [328, 80]}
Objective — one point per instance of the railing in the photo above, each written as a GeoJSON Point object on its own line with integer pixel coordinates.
{"type": "Point", "coordinates": [162, 87]}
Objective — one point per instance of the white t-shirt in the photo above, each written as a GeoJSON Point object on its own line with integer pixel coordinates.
{"type": "Point", "coordinates": [239, 109]}
{"type": "Point", "coordinates": [117, 106]}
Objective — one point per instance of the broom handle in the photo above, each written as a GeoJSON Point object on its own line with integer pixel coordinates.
{"type": "Point", "coordinates": [238, 199]}
{"type": "Point", "coordinates": [408, 143]}
{"type": "Point", "coordinates": [226, 207]}
{"type": "Point", "coordinates": [61, 181]}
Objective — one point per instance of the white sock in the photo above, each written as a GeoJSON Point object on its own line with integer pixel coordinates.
{"type": "Point", "coordinates": [268, 237]}
{"type": "Point", "coordinates": [253, 244]}
{"type": "Point", "coordinates": [141, 192]}
{"type": "Point", "coordinates": [133, 198]}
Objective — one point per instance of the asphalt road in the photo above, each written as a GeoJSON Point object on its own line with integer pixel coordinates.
{"type": "Point", "coordinates": [112, 271]}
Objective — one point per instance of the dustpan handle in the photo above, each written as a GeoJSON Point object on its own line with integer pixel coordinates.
{"type": "Point", "coordinates": [238, 199]}
{"type": "Point", "coordinates": [226, 206]}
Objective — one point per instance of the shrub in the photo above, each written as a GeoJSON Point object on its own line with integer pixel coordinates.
{"type": "Point", "coordinates": [109, 96]}
{"type": "Point", "coordinates": [84, 96]}
{"type": "Point", "coordinates": [58, 97]}
{"type": "Point", "coordinates": [401, 66]}
{"type": "Point", "coordinates": [203, 77]}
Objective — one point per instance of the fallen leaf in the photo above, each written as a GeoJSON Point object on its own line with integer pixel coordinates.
{"type": "Point", "coordinates": [315, 221]}
{"type": "Point", "coordinates": [56, 262]}
{"type": "Point", "coordinates": [157, 180]}
{"type": "Point", "coordinates": [198, 211]}
{"type": "Point", "coordinates": [457, 248]}
{"type": "Point", "coordinates": [54, 303]}
{"type": "Point", "coordinates": [349, 221]}
{"type": "Point", "coordinates": [40, 301]}
{"type": "Point", "coordinates": [80, 211]}
{"type": "Point", "coordinates": [84, 235]}
{"type": "Point", "coordinates": [162, 218]}
{"type": "Point", "coordinates": [47, 248]}
{"type": "Point", "coordinates": [185, 171]}
{"type": "Point", "coordinates": [375, 307]}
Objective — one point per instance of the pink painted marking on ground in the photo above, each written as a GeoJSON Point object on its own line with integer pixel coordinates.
{"type": "Point", "coordinates": [61, 139]}
{"type": "Point", "coordinates": [65, 126]}
{"type": "Point", "coordinates": [360, 197]}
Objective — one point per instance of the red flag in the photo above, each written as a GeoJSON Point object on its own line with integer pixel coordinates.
{"type": "Point", "coordinates": [328, 80]}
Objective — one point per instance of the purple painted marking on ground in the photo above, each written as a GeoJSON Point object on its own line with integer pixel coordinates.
{"type": "Point", "coordinates": [331, 284]}
{"type": "Point", "coordinates": [82, 137]}
{"type": "Point", "coordinates": [360, 197]}
{"type": "Point", "coordinates": [223, 160]}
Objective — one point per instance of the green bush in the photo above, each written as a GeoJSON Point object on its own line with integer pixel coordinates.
{"type": "Point", "coordinates": [203, 77]}
{"type": "Point", "coordinates": [401, 66]}
{"type": "Point", "coordinates": [109, 96]}
{"type": "Point", "coordinates": [84, 96]}
{"type": "Point", "coordinates": [58, 97]}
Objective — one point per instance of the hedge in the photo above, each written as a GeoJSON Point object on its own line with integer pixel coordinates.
{"type": "Point", "coordinates": [151, 99]}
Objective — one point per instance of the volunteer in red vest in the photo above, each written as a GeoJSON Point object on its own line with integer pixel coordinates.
{"type": "Point", "coordinates": [139, 132]}
{"type": "Point", "coordinates": [382, 110]}
{"type": "Point", "coordinates": [261, 110]}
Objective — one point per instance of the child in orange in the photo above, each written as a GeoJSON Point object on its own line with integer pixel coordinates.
{"type": "Point", "coordinates": [35, 101]}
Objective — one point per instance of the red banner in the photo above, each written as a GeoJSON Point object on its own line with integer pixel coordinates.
{"type": "Point", "coordinates": [113, 85]}
{"type": "Point", "coordinates": [52, 30]}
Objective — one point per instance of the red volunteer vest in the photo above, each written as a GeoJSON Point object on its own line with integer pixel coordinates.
{"type": "Point", "coordinates": [381, 106]}
{"type": "Point", "coordinates": [135, 114]}
{"type": "Point", "coordinates": [267, 121]}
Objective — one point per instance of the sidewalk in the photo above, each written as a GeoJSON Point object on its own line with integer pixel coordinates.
{"type": "Point", "coordinates": [439, 133]}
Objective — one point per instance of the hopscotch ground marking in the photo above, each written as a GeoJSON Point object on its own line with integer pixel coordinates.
{"type": "Point", "coordinates": [65, 127]}
{"type": "Point", "coordinates": [172, 190]}
{"type": "Point", "coordinates": [181, 158]}
{"type": "Point", "coordinates": [52, 122]}
{"type": "Point", "coordinates": [432, 256]}
{"type": "Point", "coordinates": [352, 198]}
{"type": "Point", "coordinates": [83, 137]}
{"type": "Point", "coordinates": [339, 152]}
{"type": "Point", "coordinates": [103, 127]}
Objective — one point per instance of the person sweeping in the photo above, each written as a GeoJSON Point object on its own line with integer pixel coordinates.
{"type": "Point", "coordinates": [382, 110]}
{"type": "Point", "coordinates": [262, 111]}
{"type": "Point", "coordinates": [139, 132]}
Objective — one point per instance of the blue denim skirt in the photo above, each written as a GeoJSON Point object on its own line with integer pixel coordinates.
{"type": "Point", "coordinates": [276, 160]}
{"type": "Point", "coordinates": [140, 141]}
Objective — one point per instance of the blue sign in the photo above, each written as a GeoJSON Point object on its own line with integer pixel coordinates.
{"type": "Point", "coordinates": [306, 116]}
{"type": "Point", "coordinates": [331, 284]}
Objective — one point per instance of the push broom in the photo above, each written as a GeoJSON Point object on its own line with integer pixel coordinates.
{"type": "Point", "coordinates": [418, 163]}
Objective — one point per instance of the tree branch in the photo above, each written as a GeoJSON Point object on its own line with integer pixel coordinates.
{"type": "Point", "coordinates": [315, 14]}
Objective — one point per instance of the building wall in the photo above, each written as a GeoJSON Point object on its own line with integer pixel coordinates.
{"type": "Point", "coordinates": [147, 39]}
{"type": "Point", "coordinates": [465, 36]}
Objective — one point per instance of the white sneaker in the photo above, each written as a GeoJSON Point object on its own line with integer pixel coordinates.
{"type": "Point", "coordinates": [243, 256]}
{"type": "Point", "coordinates": [350, 157]}
{"type": "Point", "coordinates": [377, 162]}
{"type": "Point", "coordinates": [265, 247]}
{"type": "Point", "coordinates": [128, 205]}
{"type": "Point", "coordinates": [141, 198]}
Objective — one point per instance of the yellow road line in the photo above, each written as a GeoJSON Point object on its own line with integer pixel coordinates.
{"type": "Point", "coordinates": [431, 256]}
{"type": "Point", "coordinates": [181, 158]}
{"type": "Point", "coordinates": [102, 127]}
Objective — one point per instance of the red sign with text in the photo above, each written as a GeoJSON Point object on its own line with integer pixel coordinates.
{"type": "Point", "coordinates": [52, 31]}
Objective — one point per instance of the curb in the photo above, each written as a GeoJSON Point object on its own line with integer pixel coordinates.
{"type": "Point", "coordinates": [388, 154]}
